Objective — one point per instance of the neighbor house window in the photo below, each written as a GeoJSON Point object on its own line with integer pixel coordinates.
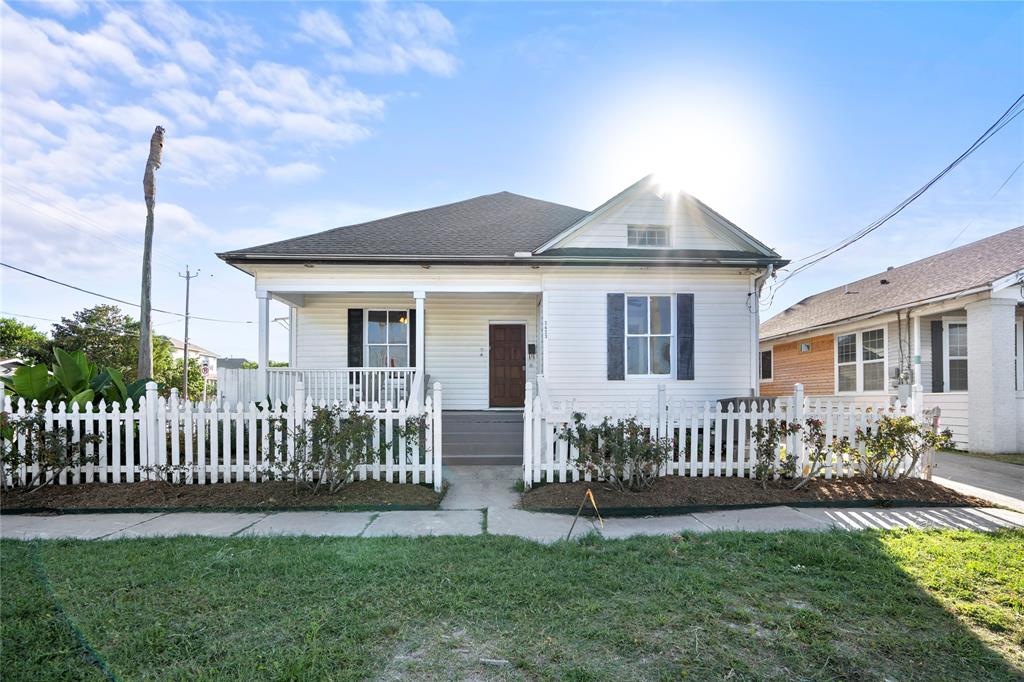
{"type": "Point", "coordinates": [387, 338]}
{"type": "Point", "coordinates": [648, 335]}
{"type": "Point", "coordinates": [647, 235]}
{"type": "Point", "coordinates": [860, 361]}
{"type": "Point", "coordinates": [766, 365]}
{"type": "Point", "coordinates": [956, 354]}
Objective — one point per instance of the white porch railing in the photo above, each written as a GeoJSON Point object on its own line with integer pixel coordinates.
{"type": "Point", "coordinates": [359, 384]}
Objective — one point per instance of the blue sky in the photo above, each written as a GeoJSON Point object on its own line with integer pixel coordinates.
{"type": "Point", "coordinates": [800, 122]}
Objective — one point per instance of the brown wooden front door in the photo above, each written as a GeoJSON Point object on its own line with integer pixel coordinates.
{"type": "Point", "coordinates": [507, 365]}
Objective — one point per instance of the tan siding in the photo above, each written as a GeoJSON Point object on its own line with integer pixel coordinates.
{"type": "Point", "coordinates": [814, 369]}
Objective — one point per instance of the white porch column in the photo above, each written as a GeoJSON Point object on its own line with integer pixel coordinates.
{"type": "Point", "coordinates": [263, 351]}
{"type": "Point", "coordinates": [991, 401]}
{"type": "Point", "coordinates": [421, 332]}
{"type": "Point", "coordinates": [915, 349]}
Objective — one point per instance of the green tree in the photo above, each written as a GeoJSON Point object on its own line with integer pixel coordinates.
{"type": "Point", "coordinates": [110, 338]}
{"type": "Point", "coordinates": [195, 378]}
{"type": "Point", "coordinates": [19, 340]}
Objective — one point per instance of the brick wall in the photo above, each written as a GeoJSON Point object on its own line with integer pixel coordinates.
{"type": "Point", "coordinates": [814, 369]}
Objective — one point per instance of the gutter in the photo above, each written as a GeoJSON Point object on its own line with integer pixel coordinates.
{"type": "Point", "coordinates": [882, 311]}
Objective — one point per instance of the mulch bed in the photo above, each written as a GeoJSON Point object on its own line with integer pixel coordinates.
{"type": "Point", "coordinates": [268, 495]}
{"type": "Point", "coordinates": [677, 492]}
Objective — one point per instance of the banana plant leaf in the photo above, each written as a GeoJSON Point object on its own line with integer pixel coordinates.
{"type": "Point", "coordinates": [136, 390]}
{"type": "Point", "coordinates": [82, 398]}
{"type": "Point", "coordinates": [33, 382]}
{"type": "Point", "coordinates": [71, 370]}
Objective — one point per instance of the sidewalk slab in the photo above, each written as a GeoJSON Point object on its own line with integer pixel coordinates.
{"type": "Point", "coordinates": [763, 519]}
{"type": "Point", "coordinates": [421, 523]}
{"type": "Point", "coordinates": [347, 524]}
{"type": "Point", "coordinates": [76, 526]}
{"type": "Point", "coordinates": [210, 524]}
{"type": "Point", "coordinates": [962, 518]}
{"type": "Point", "coordinates": [535, 526]}
{"type": "Point", "coordinates": [480, 486]}
{"type": "Point", "coordinates": [651, 525]}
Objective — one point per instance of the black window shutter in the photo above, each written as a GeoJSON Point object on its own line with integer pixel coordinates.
{"type": "Point", "coordinates": [937, 369]}
{"type": "Point", "coordinates": [684, 336]}
{"type": "Point", "coordinates": [355, 337]}
{"type": "Point", "coordinates": [616, 337]}
{"type": "Point", "coordinates": [412, 337]}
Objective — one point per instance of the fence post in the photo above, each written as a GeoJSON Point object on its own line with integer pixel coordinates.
{"type": "Point", "coordinates": [798, 417]}
{"type": "Point", "coordinates": [436, 428]}
{"type": "Point", "coordinates": [152, 430]}
{"type": "Point", "coordinates": [917, 402]}
{"type": "Point", "coordinates": [660, 425]}
{"type": "Point", "coordinates": [528, 437]}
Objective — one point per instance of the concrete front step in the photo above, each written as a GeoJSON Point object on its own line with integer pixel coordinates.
{"type": "Point", "coordinates": [484, 437]}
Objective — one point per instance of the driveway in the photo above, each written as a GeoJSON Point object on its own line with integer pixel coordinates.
{"type": "Point", "coordinates": [998, 482]}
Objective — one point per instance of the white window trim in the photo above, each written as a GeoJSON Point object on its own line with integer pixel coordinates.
{"type": "Point", "coordinates": [858, 335]}
{"type": "Point", "coordinates": [366, 336]}
{"type": "Point", "coordinates": [759, 366]}
{"type": "Point", "coordinates": [671, 335]}
{"type": "Point", "coordinates": [1019, 354]}
{"type": "Point", "coordinates": [946, 321]}
{"type": "Point", "coordinates": [639, 226]}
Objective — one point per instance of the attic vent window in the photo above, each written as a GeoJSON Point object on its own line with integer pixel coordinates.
{"type": "Point", "coordinates": [647, 236]}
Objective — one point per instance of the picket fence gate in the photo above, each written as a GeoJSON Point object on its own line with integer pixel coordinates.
{"type": "Point", "coordinates": [208, 443]}
{"type": "Point", "coordinates": [709, 438]}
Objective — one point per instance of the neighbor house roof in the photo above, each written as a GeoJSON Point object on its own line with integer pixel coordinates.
{"type": "Point", "coordinates": [489, 228]}
{"type": "Point", "coordinates": [958, 270]}
{"type": "Point", "coordinates": [178, 344]}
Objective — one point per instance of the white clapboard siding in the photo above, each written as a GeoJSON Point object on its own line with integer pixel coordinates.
{"type": "Point", "coordinates": [187, 442]}
{"type": "Point", "coordinates": [691, 227]}
{"type": "Point", "coordinates": [710, 438]}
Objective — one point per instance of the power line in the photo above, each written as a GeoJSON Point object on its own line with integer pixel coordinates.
{"type": "Point", "coordinates": [808, 261]}
{"type": "Point", "coordinates": [118, 300]}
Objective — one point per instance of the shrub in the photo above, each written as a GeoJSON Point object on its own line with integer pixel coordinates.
{"type": "Point", "coordinates": [818, 447]}
{"type": "Point", "coordinates": [52, 452]}
{"type": "Point", "coordinates": [895, 441]}
{"type": "Point", "coordinates": [324, 452]}
{"type": "Point", "coordinates": [768, 434]}
{"type": "Point", "coordinates": [623, 453]}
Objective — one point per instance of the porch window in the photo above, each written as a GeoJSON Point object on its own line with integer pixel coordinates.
{"type": "Point", "coordinates": [648, 335]}
{"type": "Point", "coordinates": [387, 338]}
{"type": "Point", "coordinates": [956, 354]}
{"type": "Point", "coordinates": [860, 361]}
{"type": "Point", "coordinates": [647, 235]}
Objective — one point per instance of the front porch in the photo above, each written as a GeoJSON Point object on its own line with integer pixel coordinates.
{"type": "Point", "coordinates": [390, 347]}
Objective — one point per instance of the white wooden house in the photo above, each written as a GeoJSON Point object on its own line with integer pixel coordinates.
{"type": "Point", "coordinates": [486, 294]}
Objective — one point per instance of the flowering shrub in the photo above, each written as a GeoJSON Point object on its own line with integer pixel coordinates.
{"type": "Point", "coordinates": [623, 453]}
{"type": "Point", "coordinates": [894, 446]}
{"type": "Point", "coordinates": [818, 447]}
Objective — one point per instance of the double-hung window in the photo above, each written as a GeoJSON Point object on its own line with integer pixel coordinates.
{"type": "Point", "coordinates": [860, 361]}
{"type": "Point", "coordinates": [956, 356]}
{"type": "Point", "coordinates": [648, 335]}
{"type": "Point", "coordinates": [651, 236]}
{"type": "Point", "coordinates": [387, 338]}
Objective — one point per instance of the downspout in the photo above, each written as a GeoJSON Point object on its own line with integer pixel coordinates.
{"type": "Point", "coordinates": [755, 333]}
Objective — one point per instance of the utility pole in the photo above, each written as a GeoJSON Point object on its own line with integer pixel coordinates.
{"type": "Point", "coordinates": [156, 146]}
{"type": "Point", "coordinates": [188, 277]}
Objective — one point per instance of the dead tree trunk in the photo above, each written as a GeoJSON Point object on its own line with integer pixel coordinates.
{"type": "Point", "coordinates": [156, 145]}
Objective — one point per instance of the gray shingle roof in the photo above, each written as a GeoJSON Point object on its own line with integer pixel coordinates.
{"type": "Point", "coordinates": [966, 267]}
{"type": "Point", "coordinates": [493, 225]}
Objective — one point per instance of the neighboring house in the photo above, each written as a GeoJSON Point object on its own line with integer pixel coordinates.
{"type": "Point", "coordinates": [9, 365]}
{"type": "Point", "coordinates": [952, 322]}
{"type": "Point", "coordinates": [195, 353]}
{"type": "Point", "coordinates": [486, 294]}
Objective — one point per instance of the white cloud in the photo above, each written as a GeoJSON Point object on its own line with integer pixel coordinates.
{"type": "Point", "coordinates": [195, 55]}
{"type": "Point", "coordinates": [398, 40]}
{"type": "Point", "coordinates": [321, 26]}
{"type": "Point", "coordinates": [298, 171]}
{"type": "Point", "coordinates": [64, 8]}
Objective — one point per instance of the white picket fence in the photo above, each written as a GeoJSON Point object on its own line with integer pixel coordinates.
{"type": "Point", "coordinates": [709, 439]}
{"type": "Point", "coordinates": [208, 443]}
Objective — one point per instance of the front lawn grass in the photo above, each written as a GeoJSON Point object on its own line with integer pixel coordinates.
{"type": "Point", "coordinates": [902, 605]}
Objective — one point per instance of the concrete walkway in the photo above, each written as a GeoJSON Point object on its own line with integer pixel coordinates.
{"type": "Point", "coordinates": [482, 500]}
{"type": "Point", "coordinates": [997, 482]}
